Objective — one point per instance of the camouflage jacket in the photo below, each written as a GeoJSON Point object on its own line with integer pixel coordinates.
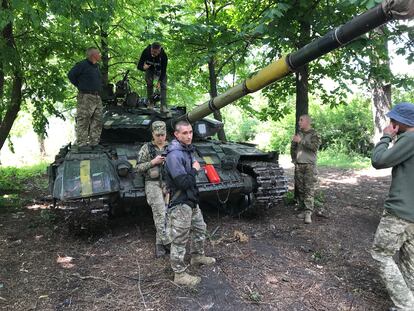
{"type": "Point", "coordinates": [148, 152]}
{"type": "Point", "coordinates": [305, 152]}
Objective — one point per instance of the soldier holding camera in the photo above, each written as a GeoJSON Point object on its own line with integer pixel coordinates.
{"type": "Point", "coordinates": [151, 158]}
{"type": "Point", "coordinates": [153, 62]}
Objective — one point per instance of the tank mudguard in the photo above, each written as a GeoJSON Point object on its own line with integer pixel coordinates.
{"type": "Point", "coordinates": [85, 175]}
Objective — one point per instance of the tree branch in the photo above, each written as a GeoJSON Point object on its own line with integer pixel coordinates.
{"type": "Point", "coordinates": [118, 63]}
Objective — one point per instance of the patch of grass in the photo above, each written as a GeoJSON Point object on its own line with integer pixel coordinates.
{"type": "Point", "coordinates": [8, 202]}
{"type": "Point", "coordinates": [289, 198]}
{"type": "Point", "coordinates": [255, 296]}
{"type": "Point", "coordinates": [319, 199]}
{"type": "Point", "coordinates": [317, 256]}
{"type": "Point", "coordinates": [335, 158]}
{"type": "Point", "coordinates": [47, 215]}
{"type": "Point", "coordinates": [14, 179]}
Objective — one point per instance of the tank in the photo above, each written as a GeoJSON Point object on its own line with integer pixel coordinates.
{"type": "Point", "coordinates": [237, 175]}
{"type": "Point", "coordinates": [104, 176]}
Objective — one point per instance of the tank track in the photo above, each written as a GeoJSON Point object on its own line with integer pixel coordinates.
{"type": "Point", "coordinates": [271, 183]}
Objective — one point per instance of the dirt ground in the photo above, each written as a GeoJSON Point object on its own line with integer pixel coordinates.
{"type": "Point", "coordinates": [273, 262]}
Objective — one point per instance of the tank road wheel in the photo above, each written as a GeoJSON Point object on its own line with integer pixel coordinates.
{"type": "Point", "coordinates": [243, 203]}
{"type": "Point", "coordinates": [269, 182]}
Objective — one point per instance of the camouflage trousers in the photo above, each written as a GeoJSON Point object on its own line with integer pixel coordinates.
{"type": "Point", "coordinates": [395, 234]}
{"type": "Point", "coordinates": [150, 76]}
{"type": "Point", "coordinates": [305, 181]}
{"type": "Point", "coordinates": [155, 199]}
{"type": "Point", "coordinates": [185, 221]}
{"type": "Point", "coordinates": [88, 119]}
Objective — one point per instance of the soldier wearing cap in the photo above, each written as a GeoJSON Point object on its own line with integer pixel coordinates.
{"type": "Point", "coordinates": [150, 164]}
{"type": "Point", "coordinates": [395, 232]}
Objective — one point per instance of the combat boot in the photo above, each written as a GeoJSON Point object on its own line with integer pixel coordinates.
{"type": "Point", "coordinates": [159, 250]}
{"type": "Point", "coordinates": [186, 279]}
{"type": "Point", "coordinates": [202, 260]}
{"type": "Point", "coordinates": [308, 217]}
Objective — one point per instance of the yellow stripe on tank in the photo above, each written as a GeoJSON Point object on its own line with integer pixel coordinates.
{"type": "Point", "coordinates": [275, 71]}
{"type": "Point", "coordinates": [208, 160]}
{"type": "Point", "coordinates": [85, 177]}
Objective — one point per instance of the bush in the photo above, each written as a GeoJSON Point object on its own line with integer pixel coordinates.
{"type": "Point", "coordinates": [13, 179]}
{"type": "Point", "coordinates": [238, 125]}
{"type": "Point", "coordinates": [347, 129]}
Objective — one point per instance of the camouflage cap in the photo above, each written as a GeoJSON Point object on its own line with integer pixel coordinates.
{"type": "Point", "coordinates": [159, 127]}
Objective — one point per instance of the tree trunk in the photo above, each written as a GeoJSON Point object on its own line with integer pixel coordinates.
{"type": "Point", "coordinates": [105, 58]}
{"type": "Point", "coordinates": [213, 93]}
{"type": "Point", "coordinates": [380, 105]}
{"type": "Point", "coordinates": [381, 88]}
{"type": "Point", "coordinates": [302, 76]}
{"type": "Point", "coordinates": [302, 99]}
{"type": "Point", "coordinates": [42, 148]}
{"type": "Point", "coordinates": [1, 82]}
{"type": "Point", "coordinates": [13, 107]}
{"type": "Point", "coordinates": [302, 83]}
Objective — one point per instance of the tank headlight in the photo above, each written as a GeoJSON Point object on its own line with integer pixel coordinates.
{"type": "Point", "coordinates": [122, 170]}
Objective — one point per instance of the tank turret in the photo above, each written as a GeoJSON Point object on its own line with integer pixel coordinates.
{"type": "Point", "coordinates": [105, 178]}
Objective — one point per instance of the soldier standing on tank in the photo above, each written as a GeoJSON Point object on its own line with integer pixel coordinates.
{"type": "Point", "coordinates": [153, 62]}
{"type": "Point", "coordinates": [184, 213]}
{"type": "Point", "coordinates": [87, 78]}
{"type": "Point", "coordinates": [150, 164]}
{"type": "Point", "coordinates": [304, 150]}
{"type": "Point", "coordinates": [395, 232]}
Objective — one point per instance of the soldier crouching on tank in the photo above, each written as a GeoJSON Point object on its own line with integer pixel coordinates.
{"type": "Point", "coordinates": [395, 232]}
{"type": "Point", "coordinates": [304, 150]}
{"type": "Point", "coordinates": [87, 78]}
{"type": "Point", "coordinates": [150, 164]}
{"type": "Point", "coordinates": [184, 213]}
{"type": "Point", "coordinates": [153, 62]}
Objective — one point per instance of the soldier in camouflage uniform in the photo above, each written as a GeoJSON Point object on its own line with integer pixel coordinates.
{"type": "Point", "coordinates": [185, 215]}
{"type": "Point", "coordinates": [395, 232]}
{"type": "Point", "coordinates": [304, 150]}
{"type": "Point", "coordinates": [150, 164]}
{"type": "Point", "coordinates": [87, 78]}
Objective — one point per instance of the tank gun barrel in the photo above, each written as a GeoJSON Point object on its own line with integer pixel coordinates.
{"type": "Point", "coordinates": [384, 12]}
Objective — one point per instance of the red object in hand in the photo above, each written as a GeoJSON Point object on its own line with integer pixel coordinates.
{"type": "Point", "coordinates": [212, 174]}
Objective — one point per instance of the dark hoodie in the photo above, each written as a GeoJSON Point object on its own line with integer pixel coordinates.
{"type": "Point", "coordinates": [181, 176]}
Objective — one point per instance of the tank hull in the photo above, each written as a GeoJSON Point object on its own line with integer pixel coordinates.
{"type": "Point", "coordinates": [233, 162]}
